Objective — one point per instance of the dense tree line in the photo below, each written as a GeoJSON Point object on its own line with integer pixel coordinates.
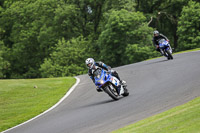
{"type": "Point", "coordinates": [51, 38]}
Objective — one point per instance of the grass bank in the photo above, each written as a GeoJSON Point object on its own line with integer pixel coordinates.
{"type": "Point", "coordinates": [181, 119]}
{"type": "Point", "coordinates": [196, 49]}
{"type": "Point", "coordinates": [22, 99]}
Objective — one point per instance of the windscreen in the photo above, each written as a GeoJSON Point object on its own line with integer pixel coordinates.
{"type": "Point", "coordinates": [161, 41]}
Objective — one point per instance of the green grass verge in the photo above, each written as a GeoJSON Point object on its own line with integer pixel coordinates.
{"type": "Point", "coordinates": [22, 99]}
{"type": "Point", "coordinates": [196, 49]}
{"type": "Point", "coordinates": [181, 119]}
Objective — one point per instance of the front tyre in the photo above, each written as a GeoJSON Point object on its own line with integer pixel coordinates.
{"type": "Point", "coordinates": [169, 55]}
{"type": "Point", "coordinates": [111, 91]}
{"type": "Point", "coordinates": [126, 93]}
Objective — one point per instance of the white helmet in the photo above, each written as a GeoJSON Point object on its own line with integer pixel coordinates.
{"type": "Point", "coordinates": [89, 62]}
{"type": "Point", "coordinates": [156, 32]}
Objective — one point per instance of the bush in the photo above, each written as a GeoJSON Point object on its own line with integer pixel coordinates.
{"type": "Point", "coordinates": [123, 28]}
{"type": "Point", "coordinates": [188, 26]}
{"type": "Point", "coordinates": [68, 58]}
{"type": "Point", "coordinates": [135, 53]}
{"type": "Point", "coordinates": [4, 64]}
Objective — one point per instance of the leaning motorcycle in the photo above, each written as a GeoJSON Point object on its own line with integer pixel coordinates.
{"type": "Point", "coordinates": [165, 49]}
{"type": "Point", "coordinates": [109, 84]}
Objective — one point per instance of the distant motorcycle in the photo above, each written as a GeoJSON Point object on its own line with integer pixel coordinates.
{"type": "Point", "coordinates": [110, 84]}
{"type": "Point", "coordinates": [165, 49]}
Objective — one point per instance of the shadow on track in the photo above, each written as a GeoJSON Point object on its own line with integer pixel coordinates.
{"type": "Point", "coordinates": [157, 62]}
{"type": "Point", "coordinates": [100, 103]}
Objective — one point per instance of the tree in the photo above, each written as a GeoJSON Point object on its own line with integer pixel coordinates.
{"type": "Point", "coordinates": [68, 58]}
{"type": "Point", "coordinates": [136, 53]}
{"type": "Point", "coordinates": [93, 11]}
{"type": "Point", "coordinates": [165, 15]}
{"type": "Point", "coordinates": [189, 26]}
{"type": "Point", "coordinates": [115, 31]}
{"type": "Point", "coordinates": [32, 28]}
{"type": "Point", "coordinates": [4, 64]}
{"type": "Point", "coordinates": [122, 28]}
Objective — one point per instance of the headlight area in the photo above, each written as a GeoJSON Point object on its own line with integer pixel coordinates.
{"type": "Point", "coordinates": [101, 81]}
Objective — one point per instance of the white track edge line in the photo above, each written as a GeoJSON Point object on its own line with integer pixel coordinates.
{"type": "Point", "coordinates": [62, 99]}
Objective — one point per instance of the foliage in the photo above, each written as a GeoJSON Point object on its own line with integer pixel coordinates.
{"type": "Point", "coordinates": [137, 53]}
{"type": "Point", "coordinates": [4, 64]}
{"type": "Point", "coordinates": [189, 26]}
{"type": "Point", "coordinates": [123, 28]}
{"type": "Point", "coordinates": [68, 58]}
{"type": "Point", "coordinates": [165, 15]}
{"type": "Point", "coordinates": [31, 29]}
{"type": "Point", "coordinates": [128, 5]}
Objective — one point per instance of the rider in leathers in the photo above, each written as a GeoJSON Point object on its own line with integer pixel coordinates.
{"type": "Point", "coordinates": [92, 65]}
{"type": "Point", "coordinates": [157, 37]}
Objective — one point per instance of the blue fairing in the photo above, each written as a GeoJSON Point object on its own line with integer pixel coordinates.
{"type": "Point", "coordinates": [101, 77]}
{"type": "Point", "coordinates": [164, 45]}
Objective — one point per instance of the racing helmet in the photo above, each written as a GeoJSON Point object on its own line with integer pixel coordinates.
{"type": "Point", "coordinates": [89, 62]}
{"type": "Point", "coordinates": [156, 32]}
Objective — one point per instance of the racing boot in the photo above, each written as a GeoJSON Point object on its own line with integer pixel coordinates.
{"type": "Point", "coordinates": [123, 82]}
{"type": "Point", "coordinates": [99, 89]}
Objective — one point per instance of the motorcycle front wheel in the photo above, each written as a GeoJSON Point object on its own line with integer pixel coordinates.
{"type": "Point", "coordinates": [169, 55]}
{"type": "Point", "coordinates": [126, 93]}
{"type": "Point", "coordinates": [111, 91]}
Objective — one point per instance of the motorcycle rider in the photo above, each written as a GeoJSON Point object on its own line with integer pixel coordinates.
{"type": "Point", "coordinates": [92, 65]}
{"type": "Point", "coordinates": [156, 38]}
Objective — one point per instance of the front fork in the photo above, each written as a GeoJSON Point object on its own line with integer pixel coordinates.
{"type": "Point", "coordinates": [164, 53]}
{"type": "Point", "coordinates": [119, 87]}
{"type": "Point", "coordinates": [170, 49]}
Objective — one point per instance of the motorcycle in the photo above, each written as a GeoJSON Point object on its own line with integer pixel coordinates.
{"type": "Point", "coordinates": [110, 84]}
{"type": "Point", "coordinates": [165, 49]}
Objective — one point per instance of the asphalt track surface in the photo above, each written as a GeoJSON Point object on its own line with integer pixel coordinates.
{"type": "Point", "coordinates": [155, 86]}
